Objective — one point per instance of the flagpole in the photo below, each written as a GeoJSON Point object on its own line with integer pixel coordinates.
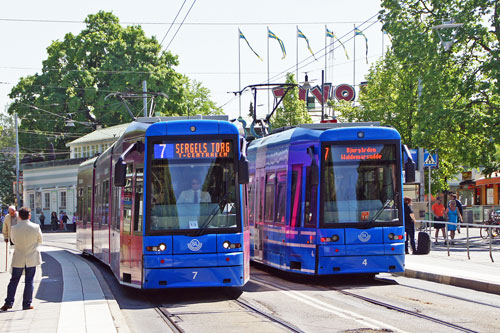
{"type": "Point", "coordinates": [268, 92]}
{"type": "Point", "coordinates": [326, 61]}
{"type": "Point", "coordinates": [354, 60]}
{"type": "Point", "coordinates": [239, 69]}
{"type": "Point", "coordinates": [297, 53]}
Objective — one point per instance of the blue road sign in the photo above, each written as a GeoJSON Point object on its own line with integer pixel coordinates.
{"type": "Point", "coordinates": [430, 160]}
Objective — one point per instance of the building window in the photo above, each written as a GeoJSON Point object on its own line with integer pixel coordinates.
{"type": "Point", "coordinates": [46, 201]}
{"type": "Point", "coordinates": [62, 202]}
{"type": "Point", "coordinates": [32, 202]}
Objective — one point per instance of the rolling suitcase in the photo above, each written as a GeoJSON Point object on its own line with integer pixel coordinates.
{"type": "Point", "coordinates": [424, 243]}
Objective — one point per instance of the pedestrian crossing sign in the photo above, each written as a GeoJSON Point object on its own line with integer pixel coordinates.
{"type": "Point", "coordinates": [430, 160]}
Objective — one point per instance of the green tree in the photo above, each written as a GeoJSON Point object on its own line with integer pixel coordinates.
{"type": "Point", "coordinates": [7, 159]}
{"type": "Point", "coordinates": [293, 111]}
{"type": "Point", "coordinates": [459, 101]}
{"type": "Point", "coordinates": [81, 70]}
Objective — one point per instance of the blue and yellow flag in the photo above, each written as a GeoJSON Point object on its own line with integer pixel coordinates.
{"type": "Point", "coordinates": [300, 34]}
{"type": "Point", "coordinates": [271, 34]}
{"type": "Point", "coordinates": [331, 35]}
{"type": "Point", "coordinates": [358, 32]}
{"type": "Point", "coordinates": [243, 37]}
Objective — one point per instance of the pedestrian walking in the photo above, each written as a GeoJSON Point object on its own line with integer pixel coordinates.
{"type": "Point", "coordinates": [26, 236]}
{"type": "Point", "coordinates": [54, 221]}
{"type": "Point", "coordinates": [409, 226]}
{"type": "Point", "coordinates": [9, 221]}
{"type": "Point", "coordinates": [438, 211]}
{"type": "Point", "coordinates": [42, 220]}
{"type": "Point", "coordinates": [454, 216]}
{"type": "Point", "coordinates": [453, 196]}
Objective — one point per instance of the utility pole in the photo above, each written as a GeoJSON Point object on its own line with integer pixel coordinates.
{"type": "Point", "coordinates": [17, 162]}
{"type": "Point", "coordinates": [145, 98]}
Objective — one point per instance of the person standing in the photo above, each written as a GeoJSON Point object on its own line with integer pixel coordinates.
{"type": "Point", "coordinates": [26, 236]}
{"type": "Point", "coordinates": [438, 210]}
{"type": "Point", "coordinates": [65, 219]}
{"type": "Point", "coordinates": [54, 221]}
{"type": "Point", "coordinates": [409, 226]}
{"type": "Point", "coordinates": [454, 216]}
{"type": "Point", "coordinates": [42, 220]}
{"type": "Point", "coordinates": [460, 209]}
{"type": "Point", "coordinates": [9, 221]}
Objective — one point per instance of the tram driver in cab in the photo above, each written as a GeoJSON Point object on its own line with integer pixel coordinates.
{"type": "Point", "coordinates": [195, 194]}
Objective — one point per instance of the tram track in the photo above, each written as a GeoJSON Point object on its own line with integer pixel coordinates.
{"type": "Point", "coordinates": [357, 317]}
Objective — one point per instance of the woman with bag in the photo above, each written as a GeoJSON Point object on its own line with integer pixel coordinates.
{"type": "Point", "coordinates": [54, 221]}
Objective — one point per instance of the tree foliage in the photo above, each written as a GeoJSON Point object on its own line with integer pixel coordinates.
{"type": "Point", "coordinates": [293, 111]}
{"type": "Point", "coordinates": [444, 100]}
{"type": "Point", "coordinates": [81, 70]}
{"type": "Point", "coordinates": [7, 159]}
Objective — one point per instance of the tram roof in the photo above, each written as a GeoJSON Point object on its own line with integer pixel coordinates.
{"type": "Point", "coordinates": [326, 131]}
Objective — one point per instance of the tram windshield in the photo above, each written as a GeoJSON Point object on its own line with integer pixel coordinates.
{"type": "Point", "coordinates": [360, 185]}
{"type": "Point", "coordinates": [193, 186]}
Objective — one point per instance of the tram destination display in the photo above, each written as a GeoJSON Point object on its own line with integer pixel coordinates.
{"type": "Point", "coordinates": [193, 149]}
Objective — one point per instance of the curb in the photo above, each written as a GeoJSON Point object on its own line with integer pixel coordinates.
{"type": "Point", "coordinates": [454, 281]}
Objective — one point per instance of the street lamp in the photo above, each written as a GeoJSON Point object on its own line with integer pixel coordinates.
{"type": "Point", "coordinates": [441, 28]}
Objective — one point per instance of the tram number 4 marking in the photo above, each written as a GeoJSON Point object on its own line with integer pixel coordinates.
{"type": "Point", "coordinates": [194, 275]}
{"type": "Point", "coordinates": [365, 262]}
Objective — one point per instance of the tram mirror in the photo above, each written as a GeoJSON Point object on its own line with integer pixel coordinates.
{"type": "Point", "coordinates": [243, 173]}
{"type": "Point", "coordinates": [120, 173]}
{"type": "Point", "coordinates": [410, 172]}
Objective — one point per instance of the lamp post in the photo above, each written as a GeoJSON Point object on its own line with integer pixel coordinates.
{"type": "Point", "coordinates": [18, 201]}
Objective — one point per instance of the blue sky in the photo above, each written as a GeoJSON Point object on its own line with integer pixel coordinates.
{"type": "Point", "coordinates": [207, 42]}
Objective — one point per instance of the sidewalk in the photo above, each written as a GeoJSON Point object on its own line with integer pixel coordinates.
{"type": "Point", "coordinates": [478, 273]}
{"type": "Point", "coordinates": [67, 297]}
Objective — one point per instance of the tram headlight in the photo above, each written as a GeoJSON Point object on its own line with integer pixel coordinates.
{"type": "Point", "coordinates": [162, 247]}
{"type": "Point", "coordinates": [391, 236]}
{"type": "Point", "coordinates": [226, 245]}
{"type": "Point", "coordinates": [335, 238]}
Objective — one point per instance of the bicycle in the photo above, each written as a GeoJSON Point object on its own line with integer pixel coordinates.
{"type": "Point", "coordinates": [494, 220]}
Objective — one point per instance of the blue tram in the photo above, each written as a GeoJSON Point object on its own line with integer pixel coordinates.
{"type": "Point", "coordinates": [164, 205]}
{"type": "Point", "coordinates": [327, 199]}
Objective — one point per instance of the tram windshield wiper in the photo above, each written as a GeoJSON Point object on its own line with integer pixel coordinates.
{"type": "Point", "coordinates": [381, 210]}
{"type": "Point", "coordinates": [213, 213]}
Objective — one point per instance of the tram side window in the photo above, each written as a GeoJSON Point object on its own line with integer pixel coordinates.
{"type": "Point", "coordinates": [259, 199]}
{"type": "Point", "coordinates": [138, 200]}
{"type": "Point", "coordinates": [310, 202]}
{"type": "Point", "coordinates": [251, 200]}
{"type": "Point", "coordinates": [105, 202]}
{"type": "Point", "coordinates": [127, 201]}
{"type": "Point", "coordinates": [115, 217]}
{"type": "Point", "coordinates": [281, 197]}
{"type": "Point", "coordinates": [97, 204]}
{"type": "Point", "coordinates": [88, 204]}
{"type": "Point", "coordinates": [296, 202]}
{"type": "Point", "coordinates": [269, 198]}
{"type": "Point", "coordinates": [245, 206]}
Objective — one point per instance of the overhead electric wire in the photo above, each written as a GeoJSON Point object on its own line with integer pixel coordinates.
{"type": "Point", "coordinates": [190, 23]}
{"type": "Point", "coordinates": [172, 24]}
{"type": "Point", "coordinates": [180, 25]}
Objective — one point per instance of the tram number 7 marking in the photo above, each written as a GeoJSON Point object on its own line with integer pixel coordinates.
{"type": "Point", "coordinates": [365, 262]}
{"type": "Point", "coordinates": [194, 275]}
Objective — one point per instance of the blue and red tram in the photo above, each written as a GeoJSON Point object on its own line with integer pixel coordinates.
{"type": "Point", "coordinates": [327, 199]}
{"type": "Point", "coordinates": [164, 205]}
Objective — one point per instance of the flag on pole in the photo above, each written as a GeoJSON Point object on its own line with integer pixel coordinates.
{"type": "Point", "coordinates": [243, 37]}
{"type": "Point", "coordinates": [331, 35]}
{"type": "Point", "coordinates": [300, 34]}
{"type": "Point", "coordinates": [271, 34]}
{"type": "Point", "coordinates": [358, 32]}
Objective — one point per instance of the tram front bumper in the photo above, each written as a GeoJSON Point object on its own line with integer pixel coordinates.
{"type": "Point", "coordinates": [200, 270]}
